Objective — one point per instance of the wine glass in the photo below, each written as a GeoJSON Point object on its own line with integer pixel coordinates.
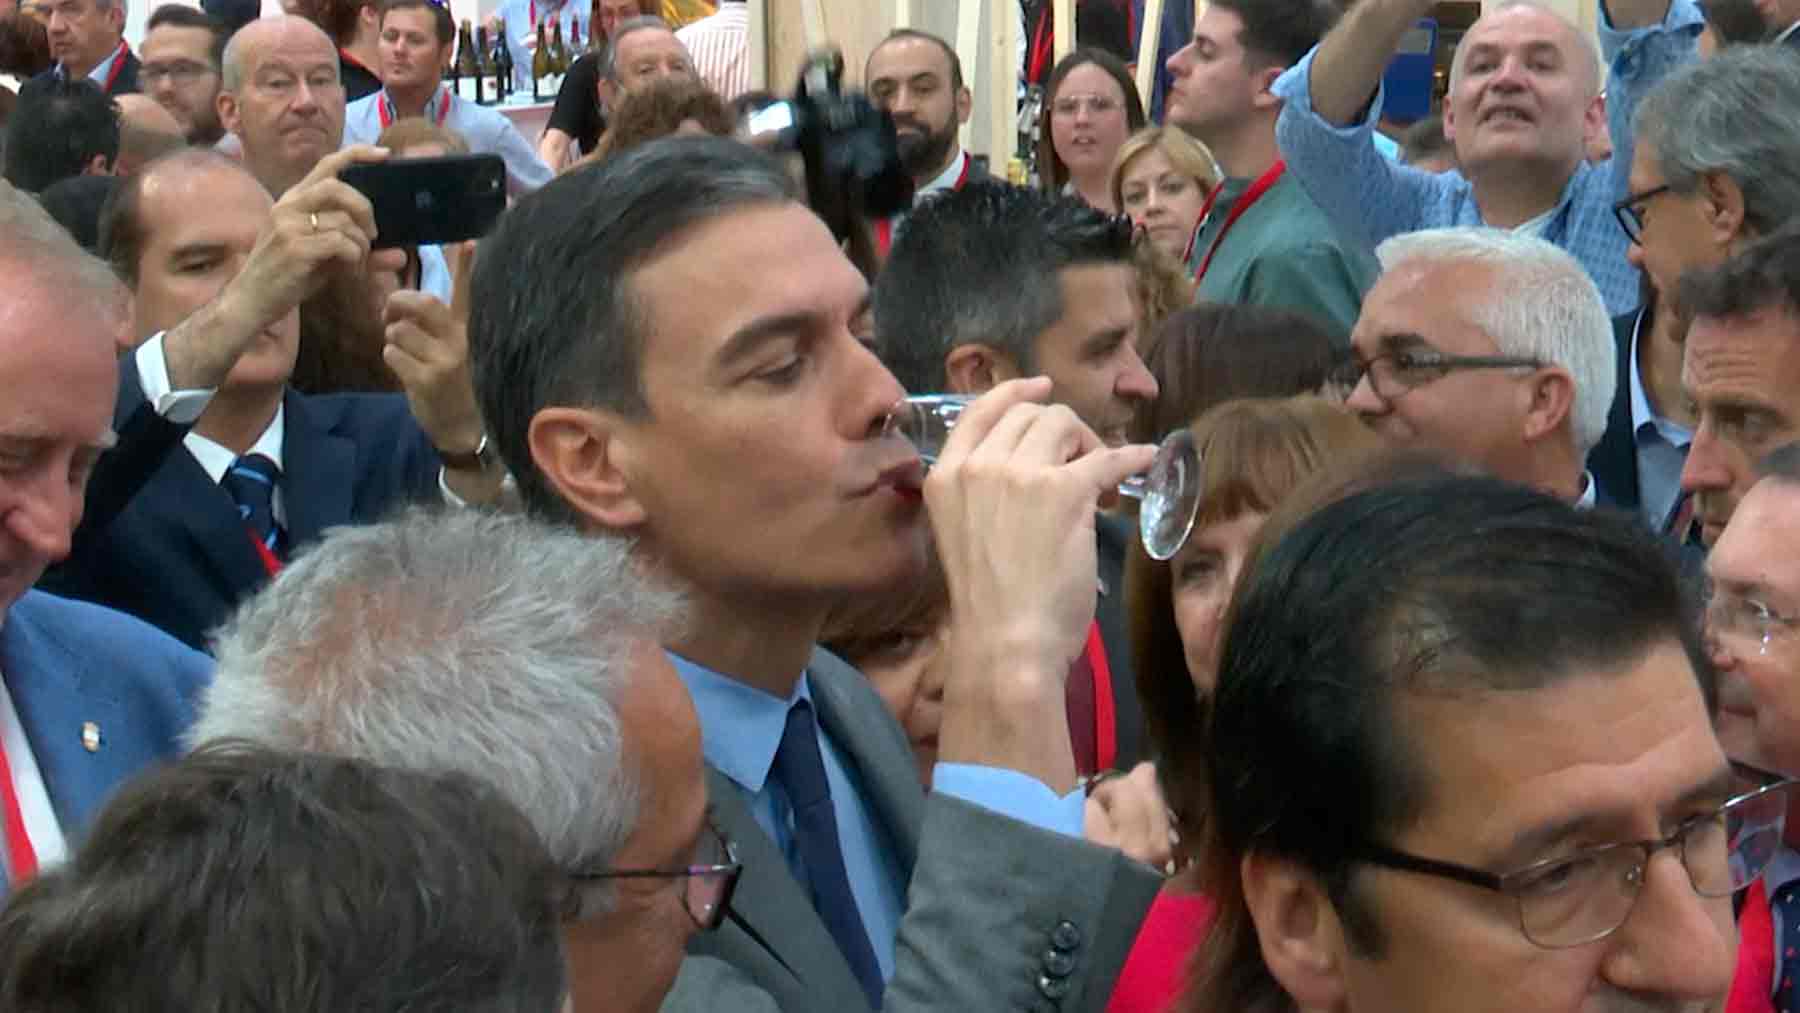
{"type": "Point", "coordinates": [1168, 494]}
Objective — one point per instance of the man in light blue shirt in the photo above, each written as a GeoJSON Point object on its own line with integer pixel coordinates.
{"type": "Point", "coordinates": [691, 375]}
{"type": "Point", "coordinates": [1526, 95]}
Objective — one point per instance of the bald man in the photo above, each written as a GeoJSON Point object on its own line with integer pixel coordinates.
{"type": "Point", "coordinates": [282, 98]}
{"type": "Point", "coordinates": [146, 130]}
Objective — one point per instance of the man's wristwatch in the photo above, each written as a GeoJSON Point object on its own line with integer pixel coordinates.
{"type": "Point", "coordinates": [482, 458]}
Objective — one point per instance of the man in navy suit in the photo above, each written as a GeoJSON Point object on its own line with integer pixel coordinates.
{"type": "Point", "coordinates": [222, 470]}
{"type": "Point", "coordinates": [1638, 462]}
{"type": "Point", "coordinates": [87, 38]}
{"type": "Point", "coordinates": [87, 696]}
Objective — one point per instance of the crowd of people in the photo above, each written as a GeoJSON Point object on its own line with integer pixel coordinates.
{"type": "Point", "coordinates": [564, 621]}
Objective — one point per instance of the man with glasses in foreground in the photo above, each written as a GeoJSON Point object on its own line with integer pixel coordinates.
{"type": "Point", "coordinates": [1462, 758]}
{"type": "Point", "coordinates": [1491, 346]}
{"type": "Point", "coordinates": [525, 657]}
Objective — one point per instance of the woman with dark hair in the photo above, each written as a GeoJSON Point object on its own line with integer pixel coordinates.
{"type": "Point", "coordinates": [24, 54]}
{"type": "Point", "coordinates": [1091, 106]}
{"type": "Point", "coordinates": [355, 27]}
{"type": "Point", "coordinates": [1216, 352]}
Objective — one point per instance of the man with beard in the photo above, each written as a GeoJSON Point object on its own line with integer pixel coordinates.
{"type": "Point", "coordinates": [183, 56]}
{"type": "Point", "coordinates": [917, 78]}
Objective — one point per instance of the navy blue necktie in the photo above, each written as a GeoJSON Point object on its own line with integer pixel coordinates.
{"type": "Point", "coordinates": [251, 483]}
{"type": "Point", "coordinates": [801, 771]}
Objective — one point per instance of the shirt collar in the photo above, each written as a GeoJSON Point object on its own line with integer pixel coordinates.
{"type": "Point", "coordinates": [944, 180]}
{"type": "Point", "coordinates": [1641, 412]}
{"type": "Point", "coordinates": [103, 68]}
{"type": "Point", "coordinates": [740, 726]}
{"type": "Point", "coordinates": [1785, 32]}
{"type": "Point", "coordinates": [217, 459]}
{"type": "Point", "coordinates": [1590, 496]}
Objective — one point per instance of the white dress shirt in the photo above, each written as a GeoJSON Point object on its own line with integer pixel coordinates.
{"type": "Point", "coordinates": [41, 826]}
{"type": "Point", "coordinates": [184, 406]}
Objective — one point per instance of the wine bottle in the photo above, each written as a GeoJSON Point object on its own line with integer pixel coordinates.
{"type": "Point", "coordinates": [559, 54]}
{"type": "Point", "coordinates": [540, 65]}
{"type": "Point", "coordinates": [481, 65]}
{"type": "Point", "coordinates": [466, 68]}
{"type": "Point", "coordinates": [503, 65]}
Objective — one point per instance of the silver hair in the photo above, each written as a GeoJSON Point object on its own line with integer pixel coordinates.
{"type": "Point", "coordinates": [460, 641]}
{"type": "Point", "coordinates": [609, 61]}
{"type": "Point", "coordinates": [1737, 113]}
{"type": "Point", "coordinates": [1596, 57]}
{"type": "Point", "coordinates": [1540, 303]}
{"type": "Point", "coordinates": [33, 245]}
{"type": "Point", "coordinates": [231, 69]}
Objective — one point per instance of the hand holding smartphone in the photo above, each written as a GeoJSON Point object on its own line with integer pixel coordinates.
{"type": "Point", "coordinates": [425, 201]}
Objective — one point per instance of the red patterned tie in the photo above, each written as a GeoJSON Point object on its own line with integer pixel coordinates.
{"type": "Point", "coordinates": [21, 858]}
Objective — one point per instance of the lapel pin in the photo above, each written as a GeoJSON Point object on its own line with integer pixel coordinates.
{"type": "Point", "coordinates": [90, 736]}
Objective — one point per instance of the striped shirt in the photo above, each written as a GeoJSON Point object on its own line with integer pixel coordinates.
{"type": "Point", "coordinates": [718, 46]}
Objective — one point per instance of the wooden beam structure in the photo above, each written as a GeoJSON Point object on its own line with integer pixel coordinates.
{"type": "Point", "coordinates": [1003, 77]}
{"type": "Point", "coordinates": [1062, 28]}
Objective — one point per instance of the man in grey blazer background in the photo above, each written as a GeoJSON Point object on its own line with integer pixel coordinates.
{"type": "Point", "coordinates": [670, 346]}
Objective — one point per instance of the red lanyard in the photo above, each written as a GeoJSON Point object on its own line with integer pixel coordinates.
{"type": "Point", "coordinates": [118, 64]}
{"type": "Point", "coordinates": [384, 107]}
{"type": "Point", "coordinates": [1251, 196]}
{"type": "Point", "coordinates": [884, 227]}
{"type": "Point", "coordinates": [1042, 45]}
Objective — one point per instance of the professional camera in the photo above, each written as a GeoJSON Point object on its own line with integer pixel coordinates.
{"type": "Point", "coordinates": [852, 156]}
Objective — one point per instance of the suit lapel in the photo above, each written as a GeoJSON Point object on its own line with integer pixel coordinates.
{"type": "Point", "coordinates": [189, 501]}
{"type": "Point", "coordinates": [771, 909]}
{"type": "Point", "coordinates": [862, 728]}
{"type": "Point", "coordinates": [318, 471]}
{"type": "Point", "coordinates": [47, 688]}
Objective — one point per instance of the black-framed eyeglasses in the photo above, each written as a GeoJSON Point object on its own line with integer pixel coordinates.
{"type": "Point", "coordinates": [1587, 896]}
{"type": "Point", "coordinates": [710, 880]}
{"type": "Point", "coordinates": [1394, 373]}
{"type": "Point", "coordinates": [179, 71]}
{"type": "Point", "coordinates": [1630, 211]}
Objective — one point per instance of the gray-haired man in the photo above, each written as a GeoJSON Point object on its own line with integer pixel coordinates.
{"type": "Point", "coordinates": [492, 646]}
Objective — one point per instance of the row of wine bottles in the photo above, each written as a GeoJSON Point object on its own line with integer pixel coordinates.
{"type": "Point", "coordinates": [486, 69]}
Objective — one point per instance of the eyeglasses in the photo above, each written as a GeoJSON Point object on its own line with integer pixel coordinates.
{"type": "Point", "coordinates": [1630, 213]}
{"type": "Point", "coordinates": [1395, 373]}
{"type": "Point", "coordinates": [1097, 105]}
{"type": "Point", "coordinates": [1587, 896]}
{"type": "Point", "coordinates": [180, 72]}
{"type": "Point", "coordinates": [1734, 616]}
{"type": "Point", "coordinates": [710, 880]}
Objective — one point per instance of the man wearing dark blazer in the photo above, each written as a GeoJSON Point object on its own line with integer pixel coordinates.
{"type": "Point", "coordinates": [711, 399]}
{"type": "Point", "coordinates": [917, 78]}
{"type": "Point", "coordinates": [87, 696]}
{"type": "Point", "coordinates": [998, 281]}
{"type": "Point", "coordinates": [87, 39]}
{"type": "Point", "coordinates": [223, 471]}
{"type": "Point", "coordinates": [1637, 463]}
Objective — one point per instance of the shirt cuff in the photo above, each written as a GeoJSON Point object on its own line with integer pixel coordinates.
{"type": "Point", "coordinates": [181, 407]}
{"type": "Point", "coordinates": [509, 491]}
{"type": "Point", "coordinates": [1013, 795]}
{"type": "Point", "coordinates": [1294, 89]}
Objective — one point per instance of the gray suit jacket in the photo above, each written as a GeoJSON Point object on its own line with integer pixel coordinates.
{"type": "Point", "coordinates": [1000, 915]}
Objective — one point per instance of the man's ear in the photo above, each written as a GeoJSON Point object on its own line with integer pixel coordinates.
{"type": "Point", "coordinates": [227, 105]}
{"type": "Point", "coordinates": [1302, 940]}
{"type": "Point", "coordinates": [965, 104]}
{"type": "Point", "coordinates": [1724, 206]}
{"type": "Point", "coordinates": [1552, 402]}
{"type": "Point", "coordinates": [586, 456]}
{"type": "Point", "coordinates": [608, 92]}
{"type": "Point", "coordinates": [977, 369]}
{"type": "Point", "coordinates": [1264, 98]}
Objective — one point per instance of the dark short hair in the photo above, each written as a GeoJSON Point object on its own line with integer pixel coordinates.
{"type": "Point", "coordinates": [555, 320]}
{"type": "Point", "coordinates": [979, 265]}
{"type": "Point", "coordinates": [1425, 139]}
{"type": "Point", "coordinates": [1442, 584]}
{"type": "Point", "coordinates": [122, 232]}
{"type": "Point", "coordinates": [1052, 173]}
{"type": "Point", "coordinates": [1211, 353]}
{"type": "Point", "coordinates": [956, 68]}
{"type": "Point", "coordinates": [1735, 22]}
{"type": "Point", "coordinates": [440, 16]}
{"type": "Point", "coordinates": [56, 131]}
{"type": "Point", "coordinates": [1764, 274]}
{"type": "Point", "coordinates": [75, 203]}
{"type": "Point", "coordinates": [175, 15]}
{"type": "Point", "coordinates": [1281, 32]}
{"type": "Point", "coordinates": [238, 878]}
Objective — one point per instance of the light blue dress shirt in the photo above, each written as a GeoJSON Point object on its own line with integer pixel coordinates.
{"type": "Point", "coordinates": [1370, 198]}
{"type": "Point", "coordinates": [1661, 447]}
{"type": "Point", "coordinates": [740, 729]}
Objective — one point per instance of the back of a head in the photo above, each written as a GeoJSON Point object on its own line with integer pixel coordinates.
{"type": "Point", "coordinates": [237, 880]}
{"type": "Point", "coordinates": [553, 321]}
{"type": "Point", "coordinates": [1737, 114]}
{"type": "Point", "coordinates": [1538, 302]}
{"type": "Point", "coordinates": [1280, 32]}
{"type": "Point", "coordinates": [1443, 585]}
{"type": "Point", "coordinates": [1217, 352]}
{"type": "Point", "coordinates": [75, 203]}
{"type": "Point", "coordinates": [978, 265]}
{"type": "Point", "coordinates": [1735, 22]}
{"type": "Point", "coordinates": [1425, 140]}
{"type": "Point", "coordinates": [232, 14]}
{"type": "Point", "coordinates": [460, 642]}
{"type": "Point", "coordinates": [1763, 275]}
{"type": "Point", "coordinates": [59, 131]}
{"type": "Point", "coordinates": [659, 109]}
{"type": "Point", "coordinates": [24, 45]}
{"type": "Point", "coordinates": [40, 257]}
